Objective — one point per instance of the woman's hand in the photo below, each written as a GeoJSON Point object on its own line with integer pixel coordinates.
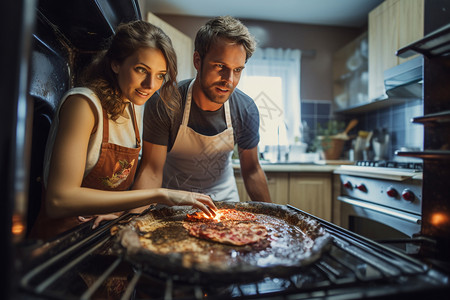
{"type": "Point", "coordinates": [98, 219]}
{"type": "Point", "coordinates": [197, 200]}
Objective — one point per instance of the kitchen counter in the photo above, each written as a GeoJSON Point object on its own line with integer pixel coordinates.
{"type": "Point", "coordinates": [307, 186]}
{"type": "Point", "coordinates": [319, 167]}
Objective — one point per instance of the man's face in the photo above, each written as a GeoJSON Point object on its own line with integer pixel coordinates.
{"type": "Point", "coordinates": [220, 70]}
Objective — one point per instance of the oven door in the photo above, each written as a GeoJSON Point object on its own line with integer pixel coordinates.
{"type": "Point", "coordinates": [380, 223]}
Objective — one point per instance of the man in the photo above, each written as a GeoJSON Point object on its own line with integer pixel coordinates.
{"type": "Point", "coordinates": [190, 149]}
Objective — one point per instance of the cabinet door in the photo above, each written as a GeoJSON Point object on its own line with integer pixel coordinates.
{"type": "Point", "coordinates": [182, 44]}
{"type": "Point", "coordinates": [278, 187]}
{"type": "Point", "coordinates": [411, 23]}
{"type": "Point", "coordinates": [392, 25]}
{"type": "Point", "coordinates": [278, 184]}
{"type": "Point", "coordinates": [243, 196]}
{"type": "Point", "coordinates": [383, 43]}
{"type": "Point", "coordinates": [311, 193]}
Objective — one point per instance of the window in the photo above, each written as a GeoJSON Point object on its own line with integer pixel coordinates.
{"type": "Point", "coordinates": [272, 78]}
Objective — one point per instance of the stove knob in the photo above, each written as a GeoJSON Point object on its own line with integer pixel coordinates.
{"type": "Point", "coordinates": [361, 187]}
{"type": "Point", "coordinates": [391, 192]}
{"type": "Point", "coordinates": [348, 185]}
{"type": "Point", "coordinates": [408, 195]}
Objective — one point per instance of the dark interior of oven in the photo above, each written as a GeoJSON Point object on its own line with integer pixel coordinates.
{"type": "Point", "coordinates": [45, 45]}
{"type": "Point", "coordinates": [65, 35]}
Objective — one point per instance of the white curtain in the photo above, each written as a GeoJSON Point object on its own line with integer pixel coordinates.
{"type": "Point", "coordinates": [277, 97]}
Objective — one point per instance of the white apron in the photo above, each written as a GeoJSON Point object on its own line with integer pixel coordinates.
{"type": "Point", "coordinates": [201, 163]}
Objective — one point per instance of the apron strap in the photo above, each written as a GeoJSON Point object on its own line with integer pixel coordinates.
{"type": "Point", "coordinates": [136, 128]}
{"type": "Point", "coordinates": [228, 114]}
{"type": "Point", "coordinates": [187, 107]}
{"type": "Point", "coordinates": [105, 127]}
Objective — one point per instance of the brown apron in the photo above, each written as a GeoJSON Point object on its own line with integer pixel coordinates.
{"type": "Point", "coordinates": [114, 171]}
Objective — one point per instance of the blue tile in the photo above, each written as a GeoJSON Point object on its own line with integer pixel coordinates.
{"type": "Point", "coordinates": [398, 120]}
{"type": "Point", "coordinates": [323, 109]}
{"type": "Point", "coordinates": [372, 122]}
{"type": "Point", "coordinates": [307, 109]}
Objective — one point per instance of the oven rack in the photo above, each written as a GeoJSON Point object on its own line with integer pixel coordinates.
{"type": "Point", "coordinates": [354, 267]}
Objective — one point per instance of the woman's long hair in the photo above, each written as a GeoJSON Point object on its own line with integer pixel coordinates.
{"type": "Point", "coordinates": [130, 37]}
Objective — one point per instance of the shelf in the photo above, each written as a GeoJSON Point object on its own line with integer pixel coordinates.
{"type": "Point", "coordinates": [433, 119]}
{"type": "Point", "coordinates": [371, 106]}
{"type": "Point", "coordinates": [436, 43]}
{"type": "Point", "coordinates": [427, 154]}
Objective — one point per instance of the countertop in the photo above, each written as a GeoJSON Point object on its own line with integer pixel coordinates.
{"type": "Point", "coordinates": [319, 166]}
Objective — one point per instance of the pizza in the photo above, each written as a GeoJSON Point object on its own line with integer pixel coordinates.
{"type": "Point", "coordinates": [222, 215]}
{"type": "Point", "coordinates": [229, 226]}
{"type": "Point", "coordinates": [231, 233]}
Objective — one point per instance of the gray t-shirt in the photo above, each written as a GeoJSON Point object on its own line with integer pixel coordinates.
{"type": "Point", "coordinates": [160, 130]}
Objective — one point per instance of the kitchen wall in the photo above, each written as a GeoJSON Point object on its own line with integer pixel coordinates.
{"type": "Point", "coordinates": [397, 120]}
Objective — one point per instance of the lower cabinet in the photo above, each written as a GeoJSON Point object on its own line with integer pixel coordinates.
{"type": "Point", "coordinates": [278, 187]}
{"type": "Point", "coordinates": [310, 192]}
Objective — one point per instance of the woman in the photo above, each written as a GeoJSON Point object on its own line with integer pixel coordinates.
{"type": "Point", "coordinates": [94, 143]}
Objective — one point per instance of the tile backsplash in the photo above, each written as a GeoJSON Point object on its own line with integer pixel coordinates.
{"type": "Point", "coordinates": [395, 119]}
{"type": "Point", "coordinates": [314, 112]}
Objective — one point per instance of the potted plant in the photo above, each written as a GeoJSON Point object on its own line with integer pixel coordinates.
{"type": "Point", "coordinates": [331, 139]}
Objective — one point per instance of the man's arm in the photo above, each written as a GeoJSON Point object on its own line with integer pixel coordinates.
{"type": "Point", "coordinates": [254, 177]}
{"type": "Point", "coordinates": [150, 172]}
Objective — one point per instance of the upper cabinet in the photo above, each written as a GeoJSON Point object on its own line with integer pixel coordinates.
{"type": "Point", "coordinates": [182, 44]}
{"type": "Point", "coordinates": [350, 76]}
{"type": "Point", "coordinates": [392, 25]}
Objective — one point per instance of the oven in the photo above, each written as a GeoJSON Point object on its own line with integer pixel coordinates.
{"type": "Point", "coordinates": [81, 265]}
{"type": "Point", "coordinates": [53, 39]}
{"type": "Point", "coordinates": [382, 201]}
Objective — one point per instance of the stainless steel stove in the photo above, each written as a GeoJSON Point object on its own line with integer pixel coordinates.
{"type": "Point", "coordinates": [382, 200]}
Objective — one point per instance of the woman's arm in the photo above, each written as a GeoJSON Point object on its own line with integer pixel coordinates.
{"type": "Point", "coordinates": [150, 171]}
{"type": "Point", "coordinates": [65, 196]}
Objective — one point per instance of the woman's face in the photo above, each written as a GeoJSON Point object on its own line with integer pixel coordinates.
{"type": "Point", "coordinates": [141, 74]}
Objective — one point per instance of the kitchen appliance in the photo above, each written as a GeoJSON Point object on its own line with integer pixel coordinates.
{"type": "Point", "coordinates": [382, 200]}
{"type": "Point", "coordinates": [432, 241]}
{"type": "Point", "coordinates": [79, 264]}
{"type": "Point", "coordinates": [405, 79]}
{"type": "Point", "coordinates": [435, 50]}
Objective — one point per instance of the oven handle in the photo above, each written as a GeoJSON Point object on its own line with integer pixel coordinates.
{"type": "Point", "coordinates": [380, 209]}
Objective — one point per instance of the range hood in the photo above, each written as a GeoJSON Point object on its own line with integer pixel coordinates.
{"type": "Point", "coordinates": [405, 79]}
